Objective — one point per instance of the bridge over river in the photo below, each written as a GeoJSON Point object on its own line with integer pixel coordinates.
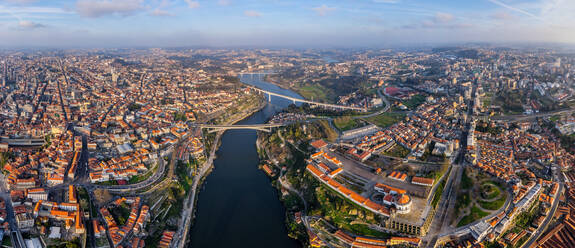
{"type": "Point", "coordinates": [294, 99]}
{"type": "Point", "coordinates": [260, 127]}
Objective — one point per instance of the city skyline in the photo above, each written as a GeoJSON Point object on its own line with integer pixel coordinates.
{"type": "Point", "coordinates": [235, 23]}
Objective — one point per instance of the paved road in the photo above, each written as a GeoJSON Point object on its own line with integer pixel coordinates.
{"type": "Point", "coordinates": [461, 228]}
{"type": "Point", "coordinates": [541, 229]}
{"type": "Point", "coordinates": [519, 118]}
{"type": "Point", "coordinates": [60, 90]}
{"type": "Point", "coordinates": [442, 209]}
{"type": "Point", "coordinates": [159, 174]}
{"type": "Point", "coordinates": [385, 109]}
{"type": "Point", "coordinates": [15, 234]}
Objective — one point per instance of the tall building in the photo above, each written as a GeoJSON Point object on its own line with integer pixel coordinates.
{"type": "Point", "coordinates": [114, 76]}
{"type": "Point", "coordinates": [4, 72]}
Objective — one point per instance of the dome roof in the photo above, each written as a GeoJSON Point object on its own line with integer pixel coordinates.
{"type": "Point", "coordinates": [404, 199]}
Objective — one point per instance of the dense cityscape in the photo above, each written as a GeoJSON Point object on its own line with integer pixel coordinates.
{"type": "Point", "coordinates": [287, 124]}
{"type": "Point", "coordinates": [451, 147]}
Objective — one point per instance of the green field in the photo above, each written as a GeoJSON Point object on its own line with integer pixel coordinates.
{"type": "Point", "coordinates": [345, 123]}
{"type": "Point", "coordinates": [386, 119]}
{"type": "Point", "coordinates": [316, 92]}
{"type": "Point", "coordinates": [476, 214]}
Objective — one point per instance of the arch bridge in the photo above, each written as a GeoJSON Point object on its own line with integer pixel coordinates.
{"type": "Point", "coordinates": [261, 127]}
{"type": "Point", "coordinates": [325, 105]}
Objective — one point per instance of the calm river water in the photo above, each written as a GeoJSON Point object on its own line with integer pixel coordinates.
{"type": "Point", "coordinates": [237, 206]}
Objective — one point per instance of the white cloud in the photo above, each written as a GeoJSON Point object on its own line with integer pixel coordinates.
{"type": "Point", "coordinates": [32, 10]}
{"type": "Point", "coordinates": [159, 12]}
{"type": "Point", "coordinates": [438, 21]}
{"type": "Point", "coordinates": [509, 7]}
{"type": "Point", "coordinates": [559, 13]}
{"type": "Point", "coordinates": [98, 8]}
{"type": "Point", "coordinates": [323, 10]}
{"type": "Point", "coordinates": [252, 13]}
{"type": "Point", "coordinates": [193, 4]}
{"type": "Point", "coordinates": [224, 2]}
{"type": "Point", "coordinates": [29, 25]}
{"type": "Point", "coordinates": [443, 17]}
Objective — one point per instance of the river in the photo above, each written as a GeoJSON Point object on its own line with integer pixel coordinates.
{"type": "Point", "coordinates": [237, 206]}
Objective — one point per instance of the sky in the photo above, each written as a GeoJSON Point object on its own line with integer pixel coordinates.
{"type": "Point", "coordinates": [282, 23]}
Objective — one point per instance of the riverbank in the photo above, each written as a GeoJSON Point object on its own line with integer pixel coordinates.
{"type": "Point", "coordinates": [189, 212]}
{"type": "Point", "coordinates": [292, 200]}
{"type": "Point", "coordinates": [270, 80]}
{"type": "Point", "coordinates": [236, 205]}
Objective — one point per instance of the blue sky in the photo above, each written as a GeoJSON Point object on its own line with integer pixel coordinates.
{"type": "Point", "coordinates": [281, 23]}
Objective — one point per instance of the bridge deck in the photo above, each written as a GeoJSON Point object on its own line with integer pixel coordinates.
{"type": "Point", "coordinates": [308, 101]}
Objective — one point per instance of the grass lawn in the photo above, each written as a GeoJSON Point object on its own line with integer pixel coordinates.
{"type": "Point", "coordinates": [331, 134]}
{"type": "Point", "coordinates": [476, 214]}
{"type": "Point", "coordinates": [438, 192]}
{"type": "Point", "coordinates": [338, 210]}
{"type": "Point", "coordinates": [490, 191]}
{"type": "Point", "coordinates": [397, 151]}
{"type": "Point", "coordinates": [463, 200]}
{"type": "Point", "coordinates": [7, 241]}
{"type": "Point", "coordinates": [364, 230]}
{"type": "Point", "coordinates": [142, 177]}
{"type": "Point", "coordinates": [108, 183]}
{"type": "Point", "coordinates": [494, 205]}
{"type": "Point", "coordinates": [316, 92]}
{"type": "Point", "coordinates": [386, 119]}
{"type": "Point", "coordinates": [466, 181]}
{"type": "Point", "coordinates": [414, 101]}
{"type": "Point", "coordinates": [345, 123]}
